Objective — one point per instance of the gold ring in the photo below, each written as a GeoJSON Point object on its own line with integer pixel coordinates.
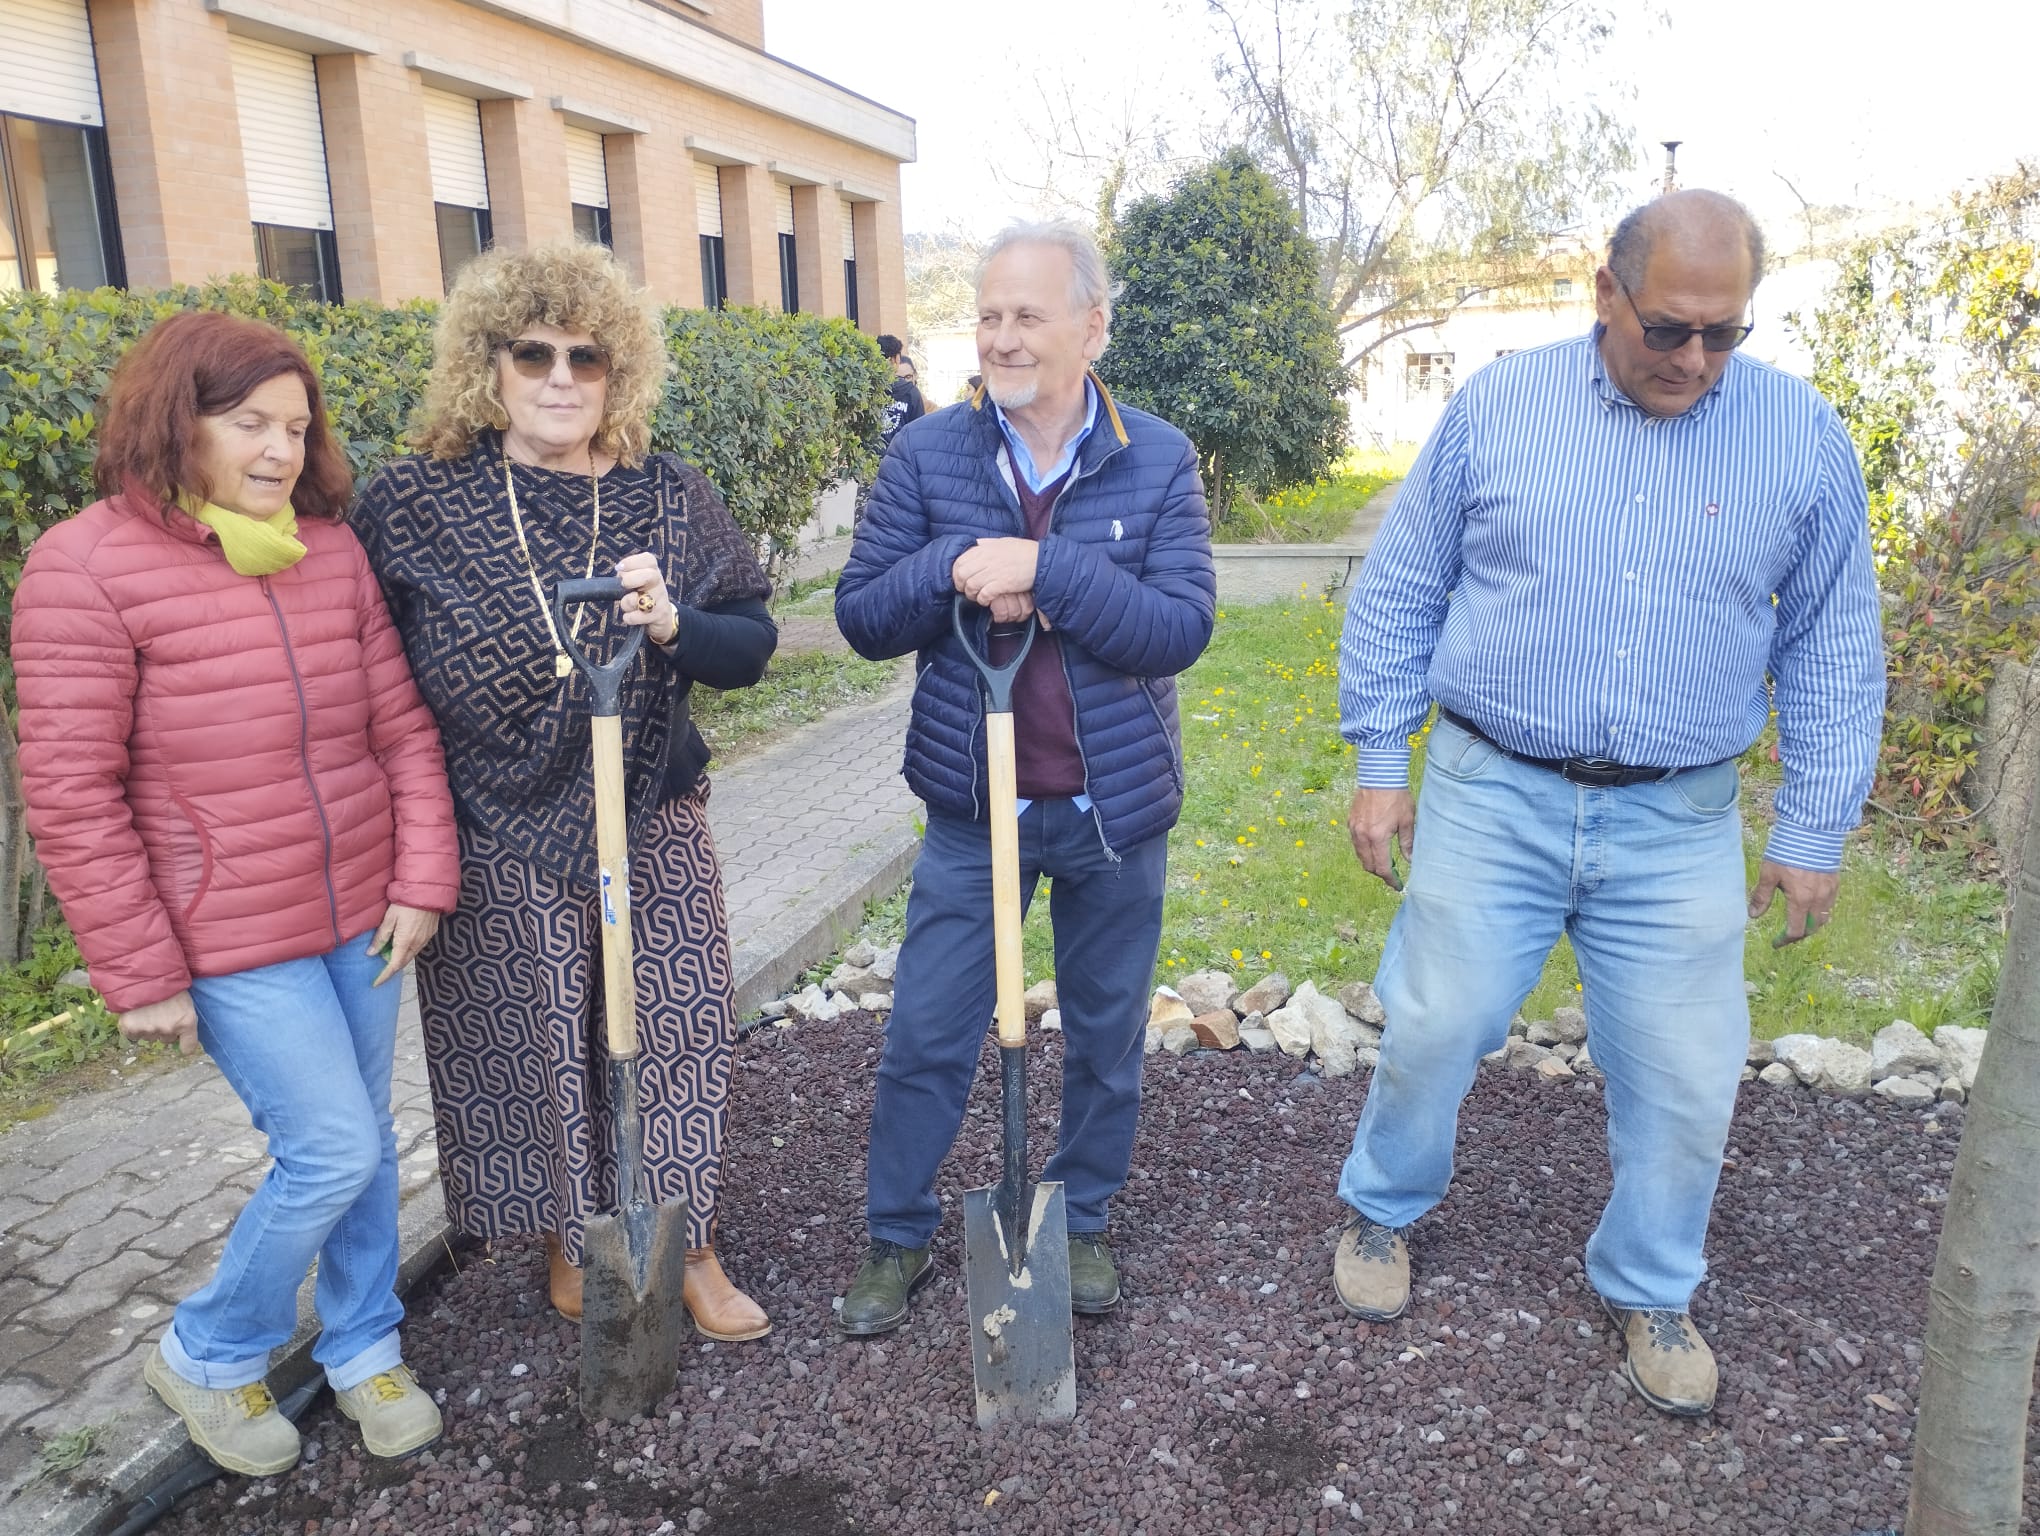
{"type": "Point", "coordinates": [645, 602]}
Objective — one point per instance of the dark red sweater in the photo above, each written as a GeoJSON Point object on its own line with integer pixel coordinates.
{"type": "Point", "coordinates": [1047, 763]}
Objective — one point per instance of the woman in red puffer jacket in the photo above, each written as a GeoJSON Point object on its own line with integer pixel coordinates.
{"type": "Point", "coordinates": [241, 802]}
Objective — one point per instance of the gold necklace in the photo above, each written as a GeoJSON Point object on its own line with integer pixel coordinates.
{"type": "Point", "coordinates": [561, 665]}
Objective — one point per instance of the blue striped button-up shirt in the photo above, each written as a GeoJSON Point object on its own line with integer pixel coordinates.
{"type": "Point", "coordinates": [1582, 579]}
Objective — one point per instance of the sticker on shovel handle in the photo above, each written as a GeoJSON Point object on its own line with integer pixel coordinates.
{"type": "Point", "coordinates": [610, 892]}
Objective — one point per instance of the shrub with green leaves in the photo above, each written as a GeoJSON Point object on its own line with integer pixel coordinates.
{"type": "Point", "coordinates": [1221, 329]}
{"type": "Point", "coordinates": [773, 407]}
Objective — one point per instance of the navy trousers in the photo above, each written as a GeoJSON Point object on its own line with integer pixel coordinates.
{"type": "Point", "coordinates": [1107, 917]}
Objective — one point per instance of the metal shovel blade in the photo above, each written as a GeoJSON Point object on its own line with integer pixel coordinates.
{"type": "Point", "coordinates": [633, 1319]}
{"type": "Point", "coordinates": [1022, 1353]}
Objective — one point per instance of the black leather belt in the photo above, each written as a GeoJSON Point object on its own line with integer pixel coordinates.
{"type": "Point", "coordinates": [1591, 772]}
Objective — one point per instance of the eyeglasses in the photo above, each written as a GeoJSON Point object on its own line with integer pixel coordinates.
{"type": "Point", "coordinates": [1669, 338]}
{"type": "Point", "coordinates": [534, 359]}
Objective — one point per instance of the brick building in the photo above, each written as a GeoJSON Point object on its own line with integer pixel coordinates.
{"type": "Point", "coordinates": [365, 148]}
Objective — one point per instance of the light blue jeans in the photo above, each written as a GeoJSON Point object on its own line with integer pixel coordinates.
{"type": "Point", "coordinates": [1647, 881]}
{"type": "Point", "coordinates": [309, 1046]}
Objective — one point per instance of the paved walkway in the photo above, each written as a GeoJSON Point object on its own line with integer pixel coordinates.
{"type": "Point", "coordinates": [116, 1204]}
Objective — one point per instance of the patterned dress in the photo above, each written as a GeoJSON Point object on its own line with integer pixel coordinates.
{"type": "Point", "coordinates": [511, 988]}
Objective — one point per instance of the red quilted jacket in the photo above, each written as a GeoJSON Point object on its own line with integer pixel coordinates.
{"type": "Point", "coordinates": [222, 771]}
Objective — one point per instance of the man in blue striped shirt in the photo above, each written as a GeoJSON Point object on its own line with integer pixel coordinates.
{"type": "Point", "coordinates": [1606, 548]}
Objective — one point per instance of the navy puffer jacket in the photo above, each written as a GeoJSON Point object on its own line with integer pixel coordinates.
{"type": "Point", "coordinates": [1125, 576]}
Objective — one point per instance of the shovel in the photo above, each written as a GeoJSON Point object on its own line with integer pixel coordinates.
{"type": "Point", "coordinates": [1016, 1244]}
{"type": "Point", "coordinates": [633, 1319]}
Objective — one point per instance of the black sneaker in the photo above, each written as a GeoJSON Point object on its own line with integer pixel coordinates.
{"type": "Point", "coordinates": [1094, 1279]}
{"type": "Point", "coordinates": [886, 1280]}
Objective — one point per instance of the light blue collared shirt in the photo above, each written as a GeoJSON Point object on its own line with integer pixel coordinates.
{"type": "Point", "coordinates": [1579, 578]}
{"type": "Point", "coordinates": [1023, 461]}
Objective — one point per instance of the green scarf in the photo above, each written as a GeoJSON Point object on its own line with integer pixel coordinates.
{"type": "Point", "coordinates": [254, 546]}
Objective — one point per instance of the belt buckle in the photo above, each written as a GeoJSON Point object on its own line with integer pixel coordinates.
{"type": "Point", "coordinates": [1591, 772]}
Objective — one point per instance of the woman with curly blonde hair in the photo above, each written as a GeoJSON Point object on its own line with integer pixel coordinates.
{"type": "Point", "coordinates": [535, 466]}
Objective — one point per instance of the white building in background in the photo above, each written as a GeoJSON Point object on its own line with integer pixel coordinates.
{"type": "Point", "coordinates": [1404, 383]}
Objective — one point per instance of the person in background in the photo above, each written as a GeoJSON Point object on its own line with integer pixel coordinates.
{"type": "Point", "coordinates": [1605, 550]}
{"type": "Point", "coordinates": [535, 467]}
{"type": "Point", "coordinates": [905, 405]}
{"type": "Point", "coordinates": [1124, 586]}
{"type": "Point", "coordinates": [241, 803]}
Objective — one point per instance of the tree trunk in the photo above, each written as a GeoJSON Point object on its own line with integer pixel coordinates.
{"type": "Point", "coordinates": [1983, 1307]}
{"type": "Point", "coordinates": [14, 859]}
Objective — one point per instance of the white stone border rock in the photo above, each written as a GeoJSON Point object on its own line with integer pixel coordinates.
{"type": "Point", "coordinates": [1340, 1033]}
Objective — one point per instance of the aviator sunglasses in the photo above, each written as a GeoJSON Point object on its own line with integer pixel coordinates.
{"type": "Point", "coordinates": [1669, 338]}
{"type": "Point", "coordinates": [534, 359]}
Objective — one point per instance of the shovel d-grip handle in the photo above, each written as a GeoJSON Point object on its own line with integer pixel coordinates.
{"type": "Point", "coordinates": [612, 856]}
{"type": "Point", "coordinates": [1005, 822]}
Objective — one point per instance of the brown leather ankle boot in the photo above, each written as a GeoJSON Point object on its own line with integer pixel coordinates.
{"type": "Point", "coordinates": [720, 1310]}
{"type": "Point", "coordinates": [564, 1279]}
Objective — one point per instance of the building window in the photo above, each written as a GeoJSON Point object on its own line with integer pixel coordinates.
{"type": "Point", "coordinates": [304, 260]}
{"type": "Point", "coordinates": [715, 279]}
{"type": "Point", "coordinates": [1561, 288]}
{"type": "Point", "coordinates": [57, 224]}
{"type": "Point", "coordinates": [464, 233]}
{"type": "Point", "coordinates": [850, 291]}
{"type": "Point", "coordinates": [789, 275]}
{"type": "Point", "coordinates": [1428, 373]}
{"type": "Point", "coordinates": [588, 184]}
{"type": "Point", "coordinates": [592, 225]}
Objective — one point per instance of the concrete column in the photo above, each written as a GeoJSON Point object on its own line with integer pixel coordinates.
{"type": "Point", "coordinates": [381, 178]}
{"type": "Point", "coordinates": [818, 247]}
{"type": "Point", "coordinates": [651, 215]}
{"type": "Point", "coordinates": [750, 235]}
{"type": "Point", "coordinates": [178, 178]}
{"type": "Point", "coordinates": [525, 143]}
{"type": "Point", "coordinates": [872, 274]}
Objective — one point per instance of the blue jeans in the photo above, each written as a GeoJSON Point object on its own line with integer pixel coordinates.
{"type": "Point", "coordinates": [1647, 881]}
{"type": "Point", "coordinates": [309, 1046]}
{"type": "Point", "coordinates": [1107, 918]}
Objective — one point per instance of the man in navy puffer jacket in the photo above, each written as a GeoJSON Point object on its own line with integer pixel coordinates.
{"type": "Point", "coordinates": [1036, 497]}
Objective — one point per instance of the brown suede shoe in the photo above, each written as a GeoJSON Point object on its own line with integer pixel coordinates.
{"type": "Point", "coordinates": [564, 1279]}
{"type": "Point", "coordinates": [1371, 1270]}
{"type": "Point", "coordinates": [1669, 1364]}
{"type": "Point", "coordinates": [720, 1310]}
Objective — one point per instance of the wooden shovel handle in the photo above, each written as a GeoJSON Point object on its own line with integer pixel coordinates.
{"type": "Point", "coordinates": [612, 859]}
{"type": "Point", "coordinates": [1005, 807]}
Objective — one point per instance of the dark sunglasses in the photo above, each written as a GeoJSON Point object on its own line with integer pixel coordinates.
{"type": "Point", "coordinates": [534, 359]}
{"type": "Point", "coordinates": [1669, 338]}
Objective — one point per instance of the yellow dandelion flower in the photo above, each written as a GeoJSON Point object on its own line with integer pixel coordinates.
{"type": "Point", "coordinates": [1303, 901]}
{"type": "Point", "coordinates": [1236, 954]}
{"type": "Point", "coordinates": [1266, 956]}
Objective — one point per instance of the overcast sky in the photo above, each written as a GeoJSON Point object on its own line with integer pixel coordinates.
{"type": "Point", "coordinates": [1865, 103]}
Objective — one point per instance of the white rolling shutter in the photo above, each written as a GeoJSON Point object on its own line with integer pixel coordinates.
{"type": "Point", "coordinates": [707, 198]}
{"type": "Point", "coordinates": [283, 146]}
{"type": "Point", "coordinates": [783, 194]}
{"type": "Point", "coordinates": [453, 147]}
{"type": "Point", "coordinates": [849, 235]}
{"type": "Point", "coordinates": [587, 170]}
{"type": "Point", "coordinates": [46, 64]}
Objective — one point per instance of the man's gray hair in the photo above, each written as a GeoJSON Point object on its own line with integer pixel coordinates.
{"type": "Point", "coordinates": [1090, 286]}
{"type": "Point", "coordinates": [1630, 247]}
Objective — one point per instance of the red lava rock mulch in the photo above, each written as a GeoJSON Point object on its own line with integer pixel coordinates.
{"type": "Point", "coordinates": [1229, 1392]}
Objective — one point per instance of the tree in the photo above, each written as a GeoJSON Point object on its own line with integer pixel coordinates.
{"type": "Point", "coordinates": [1983, 1305]}
{"type": "Point", "coordinates": [1433, 147]}
{"type": "Point", "coordinates": [1221, 329]}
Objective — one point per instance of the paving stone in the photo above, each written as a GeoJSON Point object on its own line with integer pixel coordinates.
{"type": "Point", "coordinates": [17, 1294]}
{"type": "Point", "coordinates": [91, 1246]}
{"type": "Point", "coordinates": [97, 1291]}
{"type": "Point", "coordinates": [17, 1253]}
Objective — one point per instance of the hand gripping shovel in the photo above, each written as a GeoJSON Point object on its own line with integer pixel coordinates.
{"type": "Point", "coordinates": [633, 1319]}
{"type": "Point", "coordinates": [1016, 1245]}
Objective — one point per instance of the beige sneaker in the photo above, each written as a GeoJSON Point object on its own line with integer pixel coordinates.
{"type": "Point", "coordinates": [238, 1427]}
{"type": "Point", "coordinates": [1669, 1364]}
{"type": "Point", "coordinates": [396, 1415]}
{"type": "Point", "coordinates": [1372, 1270]}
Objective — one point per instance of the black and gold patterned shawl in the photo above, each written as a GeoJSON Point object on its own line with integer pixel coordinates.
{"type": "Point", "coordinates": [439, 535]}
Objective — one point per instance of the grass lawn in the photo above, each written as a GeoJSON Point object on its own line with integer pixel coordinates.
{"type": "Point", "coordinates": [1315, 514]}
{"type": "Point", "coordinates": [1262, 875]}
{"type": "Point", "coordinates": [799, 687]}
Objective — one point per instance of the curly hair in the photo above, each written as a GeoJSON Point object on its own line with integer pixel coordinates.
{"type": "Point", "coordinates": [570, 284]}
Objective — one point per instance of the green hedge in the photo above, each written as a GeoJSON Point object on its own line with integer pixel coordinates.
{"type": "Point", "coordinates": [773, 407]}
